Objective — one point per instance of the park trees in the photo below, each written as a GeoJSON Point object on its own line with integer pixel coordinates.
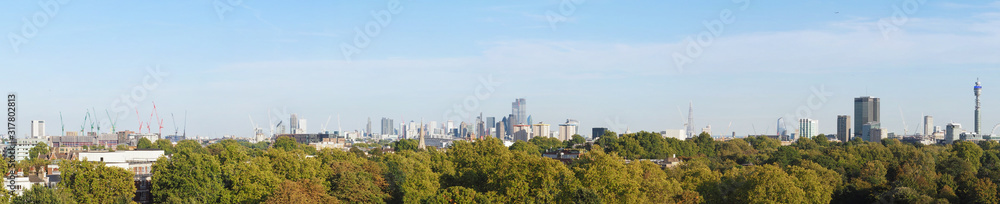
{"type": "Point", "coordinates": [93, 182]}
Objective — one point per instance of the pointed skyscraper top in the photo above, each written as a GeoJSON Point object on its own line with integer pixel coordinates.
{"type": "Point", "coordinates": [421, 144]}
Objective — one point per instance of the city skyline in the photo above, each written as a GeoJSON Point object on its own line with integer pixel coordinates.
{"type": "Point", "coordinates": [599, 67]}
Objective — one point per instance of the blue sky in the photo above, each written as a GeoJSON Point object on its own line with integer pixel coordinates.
{"type": "Point", "coordinates": [605, 63]}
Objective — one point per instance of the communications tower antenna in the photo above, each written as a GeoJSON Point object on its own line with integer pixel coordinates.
{"type": "Point", "coordinates": [979, 91]}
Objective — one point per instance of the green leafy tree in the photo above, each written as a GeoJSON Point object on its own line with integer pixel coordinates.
{"type": "Point", "coordinates": [358, 181]}
{"type": "Point", "coordinates": [458, 194]}
{"type": "Point", "coordinates": [968, 151]}
{"type": "Point", "coordinates": [250, 181]}
{"type": "Point", "coordinates": [93, 182]}
{"type": "Point", "coordinates": [764, 184]}
{"type": "Point", "coordinates": [785, 156]}
{"type": "Point", "coordinates": [188, 175]}
{"type": "Point", "coordinates": [513, 176]}
{"type": "Point", "coordinates": [286, 143]}
{"type": "Point", "coordinates": [122, 147]}
{"type": "Point", "coordinates": [609, 176]}
{"type": "Point", "coordinates": [294, 165]}
{"type": "Point", "coordinates": [190, 146]}
{"type": "Point", "coordinates": [305, 191]}
{"type": "Point", "coordinates": [40, 149]}
{"type": "Point", "coordinates": [39, 194]}
{"type": "Point", "coordinates": [546, 143]}
{"type": "Point", "coordinates": [526, 147]}
{"type": "Point", "coordinates": [405, 144]}
{"type": "Point", "coordinates": [412, 177]}
{"type": "Point", "coordinates": [165, 145]}
{"type": "Point", "coordinates": [144, 144]}
{"type": "Point", "coordinates": [576, 140]}
{"type": "Point", "coordinates": [706, 144]}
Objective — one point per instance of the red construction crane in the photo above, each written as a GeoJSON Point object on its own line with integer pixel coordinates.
{"type": "Point", "coordinates": [158, 120]}
{"type": "Point", "coordinates": [138, 119]}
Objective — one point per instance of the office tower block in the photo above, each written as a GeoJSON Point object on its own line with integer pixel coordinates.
{"type": "Point", "coordinates": [844, 128]}
{"type": "Point", "coordinates": [866, 110]}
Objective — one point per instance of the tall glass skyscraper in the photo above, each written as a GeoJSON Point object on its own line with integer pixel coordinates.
{"type": "Point", "coordinates": [520, 112]}
{"type": "Point", "coordinates": [866, 110]}
{"type": "Point", "coordinates": [388, 127]}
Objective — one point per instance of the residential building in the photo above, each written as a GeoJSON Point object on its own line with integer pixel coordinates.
{"type": "Point", "coordinates": [568, 129]}
{"type": "Point", "coordinates": [540, 130]}
{"type": "Point", "coordinates": [844, 133]}
{"type": "Point", "coordinates": [522, 132]}
{"type": "Point", "coordinates": [808, 128]}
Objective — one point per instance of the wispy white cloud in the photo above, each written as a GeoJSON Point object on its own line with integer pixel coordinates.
{"type": "Point", "coordinates": [855, 45]}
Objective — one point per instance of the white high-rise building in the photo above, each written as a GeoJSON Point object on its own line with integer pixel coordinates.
{"type": "Point", "coordinates": [568, 129]}
{"type": "Point", "coordinates": [676, 134]}
{"type": "Point", "coordinates": [37, 129]}
{"type": "Point", "coordinates": [293, 124]}
{"type": "Point", "coordinates": [302, 127]}
{"type": "Point", "coordinates": [540, 130]}
{"type": "Point", "coordinates": [928, 126]}
{"type": "Point", "coordinates": [954, 130]}
{"type": "Point", "coordinates": [808, 128]}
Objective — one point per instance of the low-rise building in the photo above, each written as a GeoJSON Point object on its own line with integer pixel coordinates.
{"type": "Point", "coordinates": [23, 147]}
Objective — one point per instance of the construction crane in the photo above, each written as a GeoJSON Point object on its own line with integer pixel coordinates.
{"type": "Point", "coordinates": [63, 125]}
{"type": "Point", "coordinates": [728, 129]}
{"type": "Point", "coordinates": [158, 120]}
{"type": "Point", "coordinates": [97, 120]}
{"type": "Point", "coordinates": [905, 128]}
{"type": "Point", "coordinates": [279, 124]}
{"type": "Point", "coordinates": [328, 122]}
{"type": "Point", "coordinates": [138, 120]}
{"type": "Point", "coordinates": [683, 119]}
{"type": "Point", "coordinates": [256, 129]}
{"type": "Point", "coordinates": [149, 122]}
{"type": "Point", "coordinates": [185, 124]}
{"type": "Point", "coordinates": [270, 124]}
{"type": "Point", "coordinates": [113, 122]}
{"type": "Point", "coordinates": [83, 127]}
{"type": "Point", "coordinates": [175, 123]}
